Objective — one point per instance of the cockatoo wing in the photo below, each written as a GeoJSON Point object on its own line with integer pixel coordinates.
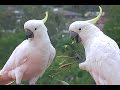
{"type": "Point", "coordinates": [21, 52]}
{"type": "Point", "coordinates": [18, 56]}
{"type": "Point", "coordinates": [52, 55]}
{"type": "Point", "coordinates": [103, 61]}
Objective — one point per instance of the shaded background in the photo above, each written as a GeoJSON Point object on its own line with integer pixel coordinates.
{"type": "Point", "coordinates": [65, 65]}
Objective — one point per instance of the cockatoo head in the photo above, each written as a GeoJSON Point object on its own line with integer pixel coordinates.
{"type": "Point", "coordinates": [35, 27]}
{"type": "Point", "coordinates": [83, 29]}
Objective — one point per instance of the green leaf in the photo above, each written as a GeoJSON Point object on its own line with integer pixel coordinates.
{"type": "Point", "coordinates": [63, 82]}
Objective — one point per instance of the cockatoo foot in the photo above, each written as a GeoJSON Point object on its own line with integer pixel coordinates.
{"type": "Point", "coordinates": [82, 66]}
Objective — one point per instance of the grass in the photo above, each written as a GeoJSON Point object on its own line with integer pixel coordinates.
{"type": "Point", "coordinates": [70, 74]}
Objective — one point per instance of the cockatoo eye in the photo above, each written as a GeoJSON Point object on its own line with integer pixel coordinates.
{"type": "Point", "coordinates": [79, 28]}
{"type": "Point", "coordinates": [35, 28]}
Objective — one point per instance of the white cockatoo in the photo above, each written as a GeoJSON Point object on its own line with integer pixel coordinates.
{"type": "Point", "coordinates": [102, 53]}
{"type": "Point", "coordinates": [32, 57]}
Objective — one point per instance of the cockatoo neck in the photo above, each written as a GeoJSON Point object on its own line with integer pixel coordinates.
{"type": "Point", "coordinates": [41, 37]}
{"type": "Point", "coordinates": [89, 34]}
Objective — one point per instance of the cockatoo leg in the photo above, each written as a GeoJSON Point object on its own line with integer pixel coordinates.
{"type": "Point", "coordinates": [33, 80]}
{"type": "Point", "coordinates": [18, 75]}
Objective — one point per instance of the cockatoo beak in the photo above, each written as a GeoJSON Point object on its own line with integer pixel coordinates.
{"type": "Point", "coordinates": [46, 17]}
{"type": "Point", "coordinates": [75, 36]}
{"type": "Point", "coordinates": [29, 34]}
{"type": "Point", "coordinates": [94, 20]}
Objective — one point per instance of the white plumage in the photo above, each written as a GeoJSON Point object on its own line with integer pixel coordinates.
{"type": "Point", "coordinates": [32, 57]}
{"type": "Point", "coordinates": [102, 53]}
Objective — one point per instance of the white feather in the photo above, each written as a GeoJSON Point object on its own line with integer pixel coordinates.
{"type": "Point", "coordinates": [102, 53]}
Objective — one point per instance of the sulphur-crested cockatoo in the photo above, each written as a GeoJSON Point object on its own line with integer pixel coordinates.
{"type": "Point", "coordinates": [102, 53]}
{"type": "Point", "coordinates": [32, 57]}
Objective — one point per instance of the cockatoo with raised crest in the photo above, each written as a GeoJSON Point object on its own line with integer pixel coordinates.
{"type": "Point", "coordinates": [102, 53]}
{"type": "Point", "coordinates": [32, 57]}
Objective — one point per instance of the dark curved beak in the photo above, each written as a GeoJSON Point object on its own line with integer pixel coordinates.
{"type": "Point", "coordinates": [75, 36]}
{"type": "Point", "coordinates": [29, 34]}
